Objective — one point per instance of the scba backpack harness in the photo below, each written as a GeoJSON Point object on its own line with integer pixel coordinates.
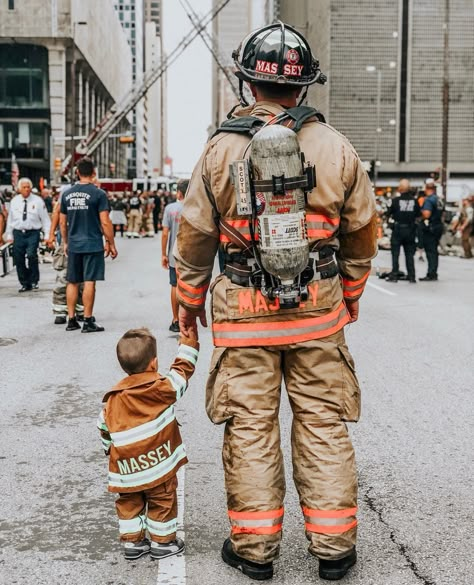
{"type": "Point", "coordinates": [271, 192]}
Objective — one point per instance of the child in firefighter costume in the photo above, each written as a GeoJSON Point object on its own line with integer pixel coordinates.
{"type": "Point", "coordinates": [297, 239]}
{"type": "Point", "coordinates": [140, 434]}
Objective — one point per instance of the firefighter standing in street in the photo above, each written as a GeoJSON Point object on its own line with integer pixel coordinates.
{"type": "Point", "coordinates": [405, 211]}
{"type": "Point", "coordinates": [270, 327]}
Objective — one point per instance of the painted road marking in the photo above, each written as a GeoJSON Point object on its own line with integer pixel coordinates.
{"type": "Point", "coordinates": [172, 570]}
{"type": "Point", "coordinates": [379, 288]}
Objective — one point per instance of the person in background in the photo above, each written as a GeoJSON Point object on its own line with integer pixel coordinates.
{"type": "Point", "coordinates": [134, 215]}
{"type": "Point", "coordinates": [27, 217]}
{"type": "Point", "coordinates": [147, 218]}
{"type": "Point", "coordinates": [84, 222]}
{"type": "Point", "coordinates": [118, 215]}
{"type": "Point", "coordinates": [170, 229]}
{"type": "Point", "coordinates": [465, 227]}
{"type": "Point", "coordinates": [405, 212]}
{"type": "Point", "coordinates": [432, 229]}
{"type": "Point", "coordinates": [48, 200]}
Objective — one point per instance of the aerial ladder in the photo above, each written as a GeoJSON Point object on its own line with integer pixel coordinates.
{"type": "Point", "coordinates": [117, 112]}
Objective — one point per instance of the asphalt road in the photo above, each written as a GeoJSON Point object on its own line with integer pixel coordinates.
{"type": "Point", "coordinates": [414, 354]}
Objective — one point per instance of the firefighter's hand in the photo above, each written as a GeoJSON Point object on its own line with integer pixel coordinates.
{"type": "Point", "coordinates": [353, 309]}
{"type": "Point", "coordinates": [188, 322]}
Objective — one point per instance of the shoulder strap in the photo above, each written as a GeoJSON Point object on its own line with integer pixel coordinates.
{"type": "Point", "coordinates": [245, 125]}
{"type": "Point", "coordinates": [301, 114]}
{"type": "Point", "coordinates": [250, 125]}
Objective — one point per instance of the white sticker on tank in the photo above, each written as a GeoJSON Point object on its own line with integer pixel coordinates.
{"type": "Point", "coordinates": [282, 231]}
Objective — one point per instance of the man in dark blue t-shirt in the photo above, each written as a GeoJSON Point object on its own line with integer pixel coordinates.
{"type": "Point", "coordinates": [84, 223]}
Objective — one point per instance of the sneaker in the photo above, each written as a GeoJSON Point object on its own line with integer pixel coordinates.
{"type": "Point", "coordinates": [24, 289]}
{"type": "Point", "coordinates": [257, 571]}
{"type": "Point", "coordinates": [90, 326]}
{"type": "Point", "coordinates": [412, 279]}
{"type": "Point", "coordinates": [35, 287]}
{"type": "Point", "coordinates": [60, 320]}
{"type": "Point", "coordinates": [135, 550]}
{"type": "Point", "coordinates": [392, 278]}
{"type": "Point", "coordinates": [335, 570]}
{"type": "Point", "coordinates": [80, 318]}
{"type": "Point", "coordinates": [161, 550]}
{"type": "Point", "coordinates": [174, 327]}
{"type": "Point", "coordinates": [72, 324]}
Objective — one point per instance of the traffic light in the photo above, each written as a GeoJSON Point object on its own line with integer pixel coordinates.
{"type": "Point", "coordinates": [127, 139]}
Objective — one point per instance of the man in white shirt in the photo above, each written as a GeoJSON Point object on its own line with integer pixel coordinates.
{"type": "Point", "coordinates": [26, 218]}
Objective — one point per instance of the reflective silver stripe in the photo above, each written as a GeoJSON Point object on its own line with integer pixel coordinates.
{"type": "Point", "coordinates": [144, 431]}
{"type": "Point", "coordinates": [101, 422]}
{"type": "Point", "coordinates": [284, 332]}
{"type": "Point", "coordinates": [329, 521]}
{"type": "Point", "coordinates": [188, 353]}
{"type": "Point", "coordinates": [162, 528]}
{"type": "Point", "coordinates": [257, 523]}
{"type": "Point", "coordinates": [178, 382]}
{"type": "Point", "coordinates": [148, 475]}
{"type": "Point", "coordinates": [132, 526]}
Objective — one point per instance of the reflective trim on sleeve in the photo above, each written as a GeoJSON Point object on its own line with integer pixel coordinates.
{"type": "Point", "coordinates": [162, 528]}
{"type": "Point", "coordinates": [329, 521]}
{"type": "Point", "coordinates": [144, 431]}
{"type": "Point", "coordinates": [234, 334]}
{"type": "Point", "coordinates": [133, 525]}
{"type": "Point", "coordinates": [354, 288]}
{"type": "Point", "coordinates": [186, 352]}
{"type": "Point", "coordinates": [320, 227]}
{"type": "Point", "coordinates": [242, 226]}
{"type": "Point", "coordinates": [262, 522]}
{"type": "Point", "coordinates": [178, 382]}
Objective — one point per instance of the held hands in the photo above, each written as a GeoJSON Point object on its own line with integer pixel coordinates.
{"type": "Point", "coordinates": [188, 322]}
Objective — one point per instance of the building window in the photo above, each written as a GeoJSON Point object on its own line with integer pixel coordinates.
{"type": "Point", "coordinates": [23, 76]}
{"type": "Point", "coordinates": [24, 139]}
{"type": "Point", "coordinates": [11, 4]}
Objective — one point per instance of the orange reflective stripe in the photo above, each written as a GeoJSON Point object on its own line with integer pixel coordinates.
{"type": "Point", "coordinates": [329, 513]}
{"type": "Point", "coordinates": [280, 332]}
{"type": "Point", "coordinates": [312, 233]}
{"type": "Point", "coordinates": [353, 293]}
{"type": "Point", "coordinates": [267, 515]}
{"type": "Point", "coordinates": [191, 289]}
{"type": "Point", "coordinates": [322, 219]}
{"type": "Point", "coordinates": [238, 223]}
{"type": "Point", "coordinates": [321, 529]}
{"type": "Point", "coordinates": [225, 239]}
{"type": "Point", "coordinates": [362, 280]}
{"type": "Point", "coordinates": [189, 300]}
{"type": "Point", "coordinates": [256, 529]}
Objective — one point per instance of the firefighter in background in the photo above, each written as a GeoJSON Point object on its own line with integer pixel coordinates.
{"type": "Point", "coordinates": [262, 339]}
{"type": "Point", "coordinates": [147, 228]}
{"type": "Point", "coordinates": [60, 265]}
{"type": "Point", "coordinates": [134, 215]}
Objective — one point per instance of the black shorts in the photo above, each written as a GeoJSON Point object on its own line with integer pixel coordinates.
{"type": "Point", "coordinates": [85, 266]}
{"type": "Point", "coordinates": [173, 279]}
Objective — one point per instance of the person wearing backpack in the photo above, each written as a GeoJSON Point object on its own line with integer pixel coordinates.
{"type": "Point", "coordinates": [431, 213]}
{"type": "Point", "coordinates": [265, 332]}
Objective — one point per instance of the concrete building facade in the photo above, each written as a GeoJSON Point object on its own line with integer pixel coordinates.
{"type": "Point", "coordinates": [156, 104]}
{"type": "Point", "coordinates": [393, 50]}
{"type": "Point", "coordinates": [131, 14]}
{"type": "Point", "coordinates": [56, 81]}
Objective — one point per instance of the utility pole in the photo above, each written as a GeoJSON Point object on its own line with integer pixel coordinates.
{"type": "Point", "coordinates": [73, 88]}
{"type": "Point", "coordinates": [445, 138]}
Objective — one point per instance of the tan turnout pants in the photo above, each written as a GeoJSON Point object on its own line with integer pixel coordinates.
{"type": "Point", "coordinates": [155, 510]}
{"type": "Point", "coordinates": [134, 221]}
{"type": "Point", "coordinates": [243, 391]}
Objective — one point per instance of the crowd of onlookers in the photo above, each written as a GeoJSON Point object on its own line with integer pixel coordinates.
{"type": "Point", "coordinates": [133, 214]}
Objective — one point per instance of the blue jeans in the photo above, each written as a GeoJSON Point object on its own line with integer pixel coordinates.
{"type": "Point", "coordinates": [25, 248]}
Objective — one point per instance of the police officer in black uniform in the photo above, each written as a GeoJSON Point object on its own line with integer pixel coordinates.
{"type": "Point", "coordinates": [405, 211]}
